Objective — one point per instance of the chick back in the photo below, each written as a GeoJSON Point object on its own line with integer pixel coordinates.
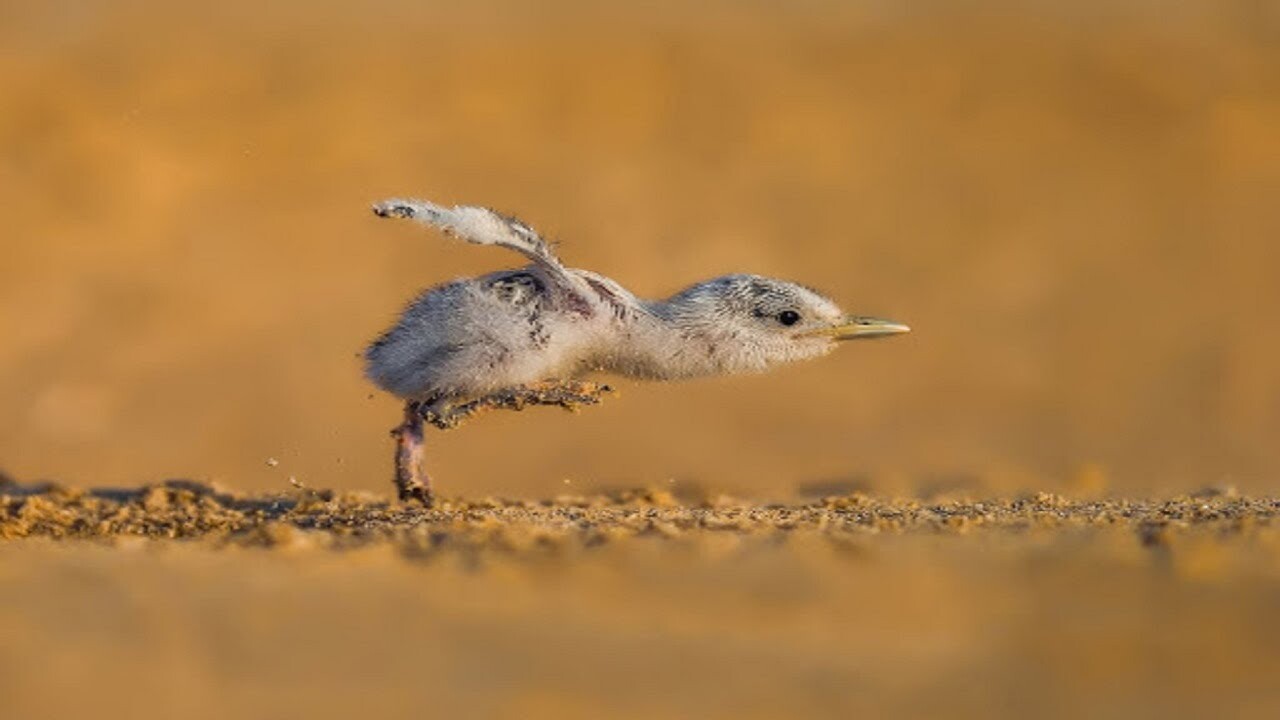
{"type": "Point", "coordinates": [472, 336]}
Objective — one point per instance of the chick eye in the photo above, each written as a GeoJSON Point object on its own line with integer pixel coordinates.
{"type": "Point", "coordinates": [788, 317]}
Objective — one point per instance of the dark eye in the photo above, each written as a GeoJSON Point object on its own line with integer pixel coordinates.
{"type": "Point", "coordinates": [788, 317]}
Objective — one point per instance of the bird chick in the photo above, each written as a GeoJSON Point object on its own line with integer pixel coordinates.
{"type": "Point", "coordinates": [527, 336]}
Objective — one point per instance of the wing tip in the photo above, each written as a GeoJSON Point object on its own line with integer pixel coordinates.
{"type": "Point", "coordinates": [395, 209]}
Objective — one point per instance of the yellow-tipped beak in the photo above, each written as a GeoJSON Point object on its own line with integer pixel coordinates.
{"type": "Point", "coordinates": [861, 328]}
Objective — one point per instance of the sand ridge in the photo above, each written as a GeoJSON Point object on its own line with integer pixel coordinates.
{"type": "Point", "coordinates": [190, 510]}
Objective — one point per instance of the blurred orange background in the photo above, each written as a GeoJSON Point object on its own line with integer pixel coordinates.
{"type": "Point", "coordinates": [1073, 204]}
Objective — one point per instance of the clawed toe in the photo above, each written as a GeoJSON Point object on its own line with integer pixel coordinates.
{"type": "Point", "coordinates": [420, 493]}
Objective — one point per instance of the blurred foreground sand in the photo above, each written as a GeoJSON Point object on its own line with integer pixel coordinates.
{"type": "Point", "coordinates": [635, 605]}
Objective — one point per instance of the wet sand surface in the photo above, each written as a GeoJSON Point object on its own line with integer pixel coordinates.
{"type": "Point", "coordinates": [184, 599]}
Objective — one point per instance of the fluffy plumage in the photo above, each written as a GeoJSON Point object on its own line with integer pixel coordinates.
{"type": "Point", "coordinates": [544, 322]}
{"type": "Point", "coordinates": [519, 337]}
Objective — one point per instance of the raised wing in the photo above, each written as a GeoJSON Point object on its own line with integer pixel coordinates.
{"type": "Point", "coordinates": [482, 226]}
{"type": "Point", "coordinates": [478, 225]}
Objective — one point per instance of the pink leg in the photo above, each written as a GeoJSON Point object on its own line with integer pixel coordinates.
{"type": "Point", "coordinates": [411, 479]}
{"type": "Point", "coordinates": [412, 482]}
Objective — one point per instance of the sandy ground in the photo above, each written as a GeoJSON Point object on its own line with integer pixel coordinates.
{"type": "Point", "coordinates": [184, 599]}
{"type": "Point", "coordinates": [1072, 203]}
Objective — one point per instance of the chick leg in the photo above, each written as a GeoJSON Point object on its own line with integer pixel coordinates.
{"type": "Point", "coordinates": [412, 481]}
{"type": "Point", "coordinates": [568, 394]}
